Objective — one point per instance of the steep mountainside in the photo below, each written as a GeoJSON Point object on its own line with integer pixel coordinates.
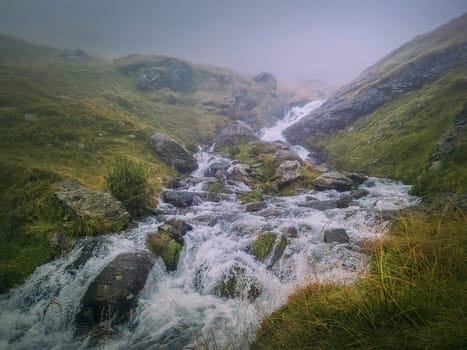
{"type": "Point", "coordinates": [65, 114]}
{"type": "Point", "coordinates": [403, 117]}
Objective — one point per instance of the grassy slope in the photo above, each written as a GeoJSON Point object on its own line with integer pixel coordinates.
{"type": "Point", "coordinates": [71, 117]}
{"type": "Point", "coordinates": [398, 139]}
{"type": "Point", "coordinates": [413, 298]}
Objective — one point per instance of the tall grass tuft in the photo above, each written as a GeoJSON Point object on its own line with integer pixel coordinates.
{"type": "Point", "coordinates": [412, 298]}
{"type": "Point", "coordinates": [127, 182]}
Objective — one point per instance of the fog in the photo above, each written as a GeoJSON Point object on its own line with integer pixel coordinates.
{"type": "Point", "coordinates": [329, 40]}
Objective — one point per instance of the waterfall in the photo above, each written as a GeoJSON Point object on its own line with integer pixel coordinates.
{"type": "Point", "coordinates": [181, 309]}
{"type": "Point", "coordinates": [292, 116]}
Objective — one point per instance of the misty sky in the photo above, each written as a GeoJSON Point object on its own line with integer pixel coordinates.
{"type": "Point", "coordinates": [322, 39]}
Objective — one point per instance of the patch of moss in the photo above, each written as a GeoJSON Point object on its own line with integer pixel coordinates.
{"type": "Point", "coordinates": [263, 245]}
{"type": "Point", "coordinates": [236, 283]}
{"type": "Point", "coordinates": [216, 188]}
{"type": "Point", "coordinates": [167, 248]}
{"type": "Point", "coordinates": [251, 196]}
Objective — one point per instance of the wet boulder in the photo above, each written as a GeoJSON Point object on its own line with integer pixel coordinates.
{"type": "Point", "coordinates": [112, 296]}
{"type": "Point", "coordinates": [336, 235]}
{"type": "Point", "coordinates": [290, 231]}
{"type": "Point", "coordinates": [176, 228]}
{"type": "Point", "coordinates": [356, 178]}
{"type": "Point", "coordinates": [82, 203]}
{"type": "Point", "coordinates": [90, 247]}
{"type": "Point", "coordinates": [241, 173]}
{"type": "Point", "coordinates": [287, 173]}
{"type": "Point", "coordinates": [333, 181]}
{"type": "Point", "coordinates": [255, 206]}
{"type": "Point", "coordinates": [168, 242]}
{"type": "Point", "coordinates": [359, 193]}
{"type": "Point", "coordinates": [344, 202]}
{"type": "Point", "coordinates": [217, 170]}
{"type": "Point", "coordinates": [166, 247]}
{"type": "Point", "coordinates": [234, 133]}
{"type": "Point", "coordinates": [172, 153]}
{"type": "Point", "coordinates": [269, 247]}
{"type": "Point", "coordinates": [181, 198]}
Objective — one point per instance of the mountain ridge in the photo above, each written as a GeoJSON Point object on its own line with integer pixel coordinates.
{"type": "Point", "coordinates": [382, 84]}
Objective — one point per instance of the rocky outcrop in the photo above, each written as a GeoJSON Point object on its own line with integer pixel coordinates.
{"type": "Point", "coordinates": [80, 202]}
{"type": "Point", "coordinates": [234, 133]}
{"type": "Point", "coordinates": [153, 73]}
{"type": "Point", "coordinates": [333, 181]}
{"type": "Point", "coordinates": [113, 294]}
{"type": "Point", "coordinates": [287, 173]}
{"type": "Point", "coordinates": [241, 172]}
{"type": "Point", "coordinates": [172, 153]}
{"type": "Point", "coordinates": [405, 70]}
{"type": "Point", "coordinates": [336, 235]}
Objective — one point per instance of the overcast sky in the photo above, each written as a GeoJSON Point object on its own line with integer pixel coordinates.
{"type": "Point", "coordinates": [331, 40]}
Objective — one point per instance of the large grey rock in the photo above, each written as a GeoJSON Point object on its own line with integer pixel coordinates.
{"type": "Point", "coordinates": [241, 173]}
{"type": "Point", "coordinates": [336, 235]}
{"type": "Point", "coordinates": [172, 153]}
{"type": "Point", "coordinates": [256, 206]}
{"type": "Point", "coordinates": [287, 173]}
{"type": "Point", "coordinates": [181, 198]}
{"type": "Point", "coordinates": [188, 198]}
{"type": "Point", "coordinates": [81, 202]}
{"type": "Point", "coordinates": [235, 132]}
{"type": "Point", "coordinates": [333, 180]}
{"type": "Point", "coordinates": [113, 294]}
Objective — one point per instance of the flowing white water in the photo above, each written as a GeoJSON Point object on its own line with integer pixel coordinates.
{"type": "Point", "coordinates": [181, 309]}
{"type": "Point", "coordinates": [274, 133]}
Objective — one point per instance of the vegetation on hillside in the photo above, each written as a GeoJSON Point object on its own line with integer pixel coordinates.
{"type": "Point", "coordinates": [65, 114]}
{"type": "Point", "coordinates": [399, 139]}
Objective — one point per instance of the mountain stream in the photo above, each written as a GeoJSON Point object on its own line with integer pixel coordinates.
{"type": "Point", "coordinates": [181, 310]}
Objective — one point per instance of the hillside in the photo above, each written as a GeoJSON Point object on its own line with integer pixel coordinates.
{"type": "Point", "coordinates": [65, 114]}
{"type": "Point", "coordinates": [404, 117]}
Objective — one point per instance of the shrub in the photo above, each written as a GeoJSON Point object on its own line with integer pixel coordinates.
{"type": "Point", "coordinates": [127, 182]}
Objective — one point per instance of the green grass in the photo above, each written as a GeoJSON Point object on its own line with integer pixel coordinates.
{"type": "Point", "coordinates": [263, 154]}
{"type": "Point", "coordinates": [63, 117]}
{"type": "Point", "coordinates": [398, 139]}
{"type": "Point", "coordinates": [412, 298]}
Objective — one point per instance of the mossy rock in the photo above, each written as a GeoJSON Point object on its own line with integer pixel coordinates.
{"type": "Point", "coordinates": [216, 188]}
{"type": "Point", "coordinates": [250, 197]}
{"type": "Point", "coordinates": [167, 248]}
{"type": "Point", "coordinates": [237, 283]}
{"type": "Point", "coordinates": [263, 245]}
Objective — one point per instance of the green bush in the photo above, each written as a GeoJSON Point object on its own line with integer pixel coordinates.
{"type": "Point", "coordinates": [127, 182]}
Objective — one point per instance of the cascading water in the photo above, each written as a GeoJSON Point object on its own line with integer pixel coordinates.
{"type": "Point", "coordinates": [181, 309]}
{"type": "Point", "coordinates": [292, 116]}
